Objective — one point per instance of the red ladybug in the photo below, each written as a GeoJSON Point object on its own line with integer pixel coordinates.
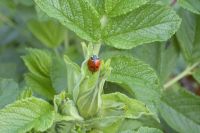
{"type": "Point", "coordinates": [94, 63]}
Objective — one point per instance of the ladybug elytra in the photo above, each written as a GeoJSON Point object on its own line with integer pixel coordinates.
{"type": "Point", "coordinates": [94, 63]}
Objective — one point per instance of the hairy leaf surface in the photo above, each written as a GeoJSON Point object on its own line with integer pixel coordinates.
{"type": "Point", "coordinates": [119, 7]}
{"type": "Point", "coordinates": [146, 24]}
{"type": "Point", "coordinates": [77, 15]}
{"type": "Point", "coordinates": [140, 78]}
{"type": "Point", "coordinates": [23, 115]}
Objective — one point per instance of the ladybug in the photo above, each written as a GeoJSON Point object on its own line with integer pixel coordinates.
{"type": "Point", "coordinates": [94, 63]}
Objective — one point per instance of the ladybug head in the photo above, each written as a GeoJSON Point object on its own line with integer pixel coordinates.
{"type": "Point", "coordinates": [94, 57]}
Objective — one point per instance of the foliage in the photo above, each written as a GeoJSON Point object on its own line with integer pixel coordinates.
{"type": "Point", "coordinates": [145, 47]}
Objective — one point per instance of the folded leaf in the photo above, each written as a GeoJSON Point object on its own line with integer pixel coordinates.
{"type": "Point", "coordinates": [26, 93]}
{"type": "Point", "coordinates": [73, 74]}
{"type": "Point", "coordinates": [89, 100]}
{"type": "Point", "coordinates": [59, 74]}
{"type": "Point", "coordinates": [146, 24]}
{"type": "Point", "coordinates": [40, 85]}
{"type": "Point", "coordinates": [26, 114]}
{"type": "Point", "coordinates": [120, 113]}
{"type": "Point", "coordinates": [39, 63]}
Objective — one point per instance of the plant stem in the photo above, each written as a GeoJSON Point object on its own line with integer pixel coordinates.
{"type": "Point", "coordinates": [186, 72]}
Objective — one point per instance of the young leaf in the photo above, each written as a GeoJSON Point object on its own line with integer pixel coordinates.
{"type": "Point", "coordinates": [77, 15]}
{"type": "Point", "coordinates": [89, 99]}
{"type": "Point", "coordinates": [146, 24]}
{"type": "Point", "coordinates": [118, 104]}
{"type": "Point", "coordinates": [66, 107]}
{"type": "Point", "coordinates": [191, 5]}
{"type": "Point", "coordinates": [119, 7]}
{"type": "Point", "coordinates": [8, 91]}
{"type": "Point", "coordinates": [140, 78]}
{"type": "Point", "coordinates": [59, 74]}
{"type": "Point", "coordinates": [39, 63]}
{"type": "Point", "coordinates": [73, 74]}
{"type": "Point", "coordinates": [50, 33]}
{"type": "Point", "coordinates": [26, 93]}
{"type": "Point", "coordinates": [40, 85]}
{"type": "Point", "coordinates": [180, 110]}
{"type": "Point", "coordinates": [26, 114]}
{"type": "Point", "coordinates": [118, 111]}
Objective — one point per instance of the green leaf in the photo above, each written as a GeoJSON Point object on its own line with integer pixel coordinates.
{"type": "Point", "coordinates": [191, 5]}
{"type": "Point", "coordinates": [196, 75]}
{"type": "Point", "coordinates": [73, 74]}
{"type": "Point", "coordinates": [59, 74]}
{"type": "Point", "coordinates": [148, 130]}
{"type": "Point", "coordinates": [146, 24]}
{"type": "Point", "coordinates": [161, 56]}
{"type": "Point", "coordinates": [40, 85]}
{"type": "Point", "coordinates": [140, 78]}
{"type": "Point", "coordinates": [196, 42]}
{"type": "Point", "coordinates": [26, 114]}
{"type": "Point", "coordinates": [119, 7]}
{"type": "Point", "coordinates": [188, 36]}
{"type": "Point", "coordinates": [62, 127]}
{"type": "Point", "coordinates": [118, 104]}
{"type": "Point", "coordinates": [118, 111]}
{"type": "Point", "coordinates": [77, 15]}
{"type": "Point", "coordinates": [50, 32]}
{"type": "Point", "coordinates": [186, 33]}
{"type": "Point", "coordinates": [39, 63]}
{"type": "Point", "coordinates": [89, 99]}
{"type": "Point", "coordinates": [26, 93]}
{"type": "Point", "coordinates": [144, 130]}
{"type": "Point", "coordinates": [8, 91]}
{"type": "Point", "coordinates": [66, 108]}
{"type": "Point", "coordinates": [99, 5]}
{"type": "Point", "coordinates": [181, 109]}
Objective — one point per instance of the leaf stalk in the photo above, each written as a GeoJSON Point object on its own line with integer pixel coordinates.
{"type": "Point", "coordinates": [186, 72]}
